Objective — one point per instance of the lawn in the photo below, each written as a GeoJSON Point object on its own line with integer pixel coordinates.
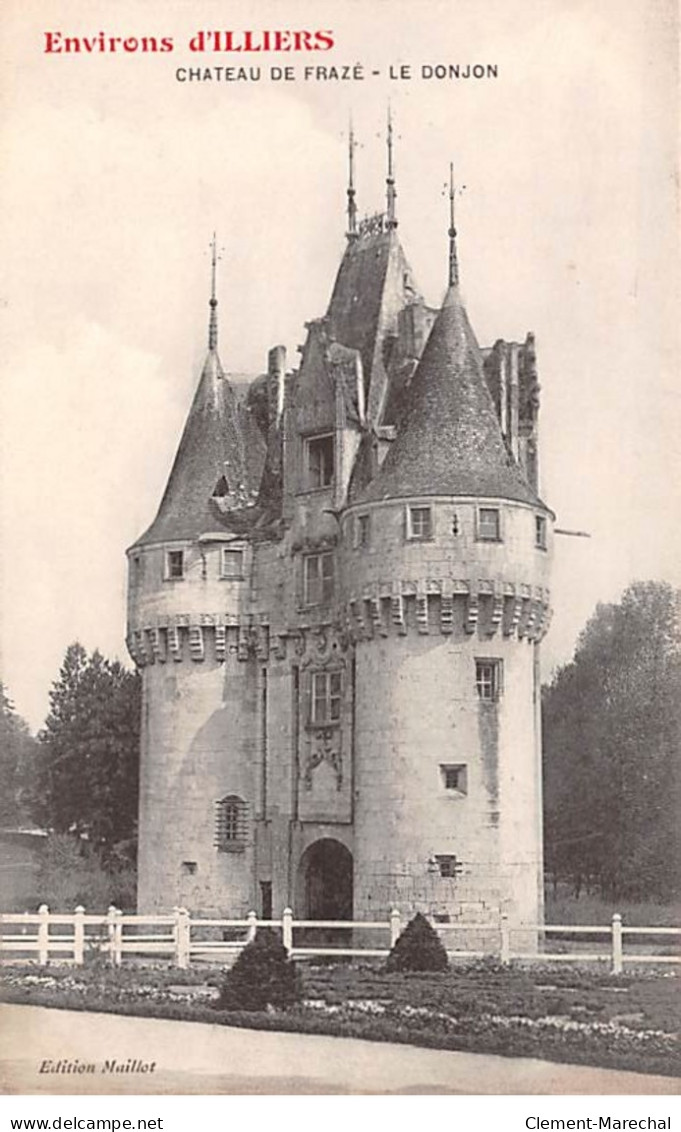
{"type": "Point", "coordinates": [561, 907]}
{"type": "Point", "coordinates": [575, 1016]}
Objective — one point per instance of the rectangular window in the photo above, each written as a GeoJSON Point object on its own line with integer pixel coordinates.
{"type": "Point", "coordinates": [419, 523]}
{"type": "Point", "coordinates": [318, 578]}
{"type": "Point", "coordinates": [174, 565]}
{"type": "Point", "coordinates": [448, 864]}
{"type": "Point", "coordinates": [232, 563]}
{"type": "Point", "coordinates": [489, 524]}
{"type": "Point", "coordinates": [454, 777]}
{"type": "Point", "coordinates": [319, 461]}
{"type": "Point", "coordinates": [488, 679]}
{"type": "Point", "coordinates": [362, 528]}
{"type": "Point", "coordinates": [540, 531]}
{"type": "Point", "coordinates": [326, 697]}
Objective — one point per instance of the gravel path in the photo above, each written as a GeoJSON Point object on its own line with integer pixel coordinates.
{"type": "Point", "coordinates": [193, 1057]}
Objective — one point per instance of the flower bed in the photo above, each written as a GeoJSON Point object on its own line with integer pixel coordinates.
{"type": "Point", "coordinates": [576, 1016]}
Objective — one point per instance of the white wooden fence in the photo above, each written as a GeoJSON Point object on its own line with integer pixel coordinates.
{"type": "Point", "coordinates": [80, 936]}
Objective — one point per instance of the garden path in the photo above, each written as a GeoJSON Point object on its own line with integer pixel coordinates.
{"type": "Point", "coordinates": [197, 1058]}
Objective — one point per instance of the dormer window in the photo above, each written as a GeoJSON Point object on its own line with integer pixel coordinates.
{"type": "Point", "coordinates": [319, 461]}
{"type": "Point", "coordinates": [174, 565]}
{"type": "Point", "coordinates": [489, 524]}
{"type": "Point", "coordinates": [221, 488]}
{"type": "Point", "coordinates": [232, 563]}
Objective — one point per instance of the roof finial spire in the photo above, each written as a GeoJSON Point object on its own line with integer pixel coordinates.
{"type": "Point", "coordinates": [453, 259]}
{"type": "Point", "coordinates": [352, 204]}
{"type": "Point", "coordinates": [391, 194]}
{"type": "Point", "coordinates": [213, 320]}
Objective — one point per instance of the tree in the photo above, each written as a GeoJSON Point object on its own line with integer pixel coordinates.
{"type": "Point", "coordinates": [612, 746]}
{"type": "Point", "coordinates": [263, 976]}
{"type": "Point", "coordinates": [88, 779]}
{"type": "Point", "coordinates": [17, 752]}
{"type": "Point", "coordinates": [419, 948]}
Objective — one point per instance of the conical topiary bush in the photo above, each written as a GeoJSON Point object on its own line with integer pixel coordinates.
{"type": "Point", "coordinates": [419, 948]}
{"type": "Point", "coordinates": [263, 976]}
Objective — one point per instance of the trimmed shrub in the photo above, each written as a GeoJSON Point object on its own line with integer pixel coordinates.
{"type": "Point", "coordinates": [263, 976]}
{"type": "Point", "coordinates": [419, 948]}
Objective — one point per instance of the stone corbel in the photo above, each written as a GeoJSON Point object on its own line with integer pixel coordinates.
{"type": "Point", "coordinates": [196, 643]}
{"type": "Point", "coordinates": [262, 642]}
{"type": "Point", "coordinates": [220, 642]}
{"type": "Point", "coordinates": [446, 613]}
{"type": "Point", "coordinates": [244, 642]}
{"type": "Point", "coordinates": [397, 613]}
{"type": "Point", "coordinates": [158, 645]}
{"type": "Point", "coordinates": [422, 613]}
{"type": "Point", "coordinates": [472, 613]}
{"type": "Point", "coordinates": [497, 611]}
{"type": "Point", "coordinates": [142, 655]}
{"type": "Point", "coordinates": [516, 614]}
{"type": "Point", "coordinates": [174, 642]}
{"type": "Point", "coordinates": [377, 616]}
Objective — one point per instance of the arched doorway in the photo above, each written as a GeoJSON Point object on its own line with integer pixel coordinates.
{"type": "Point", "coordinates": [325, 881]}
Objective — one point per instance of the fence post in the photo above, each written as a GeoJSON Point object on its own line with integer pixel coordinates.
{"type": "Point", "coordinates": [252, 926]}
{"type": "Point", "coordinates": [287, 929]}
{"type": "Point", "coordinates": [111, 929]}
{"type": "Point", "coordinates": [118, 938]}
{"type": "Point", "coordinates": [43, 934]}
{"type": "Point", "coordinates": [504, 939]}
{"type": "Point", "coordinates": [617, 961]}
{"type": "Point", "coordinates": [182, 938]}
{"type": "Point", "coordinates": [395, 927]}
{"type": "Point", "coordinates": [79, 936]}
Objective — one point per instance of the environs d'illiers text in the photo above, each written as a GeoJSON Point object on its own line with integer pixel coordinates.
{"type": "Point", "coordinates": [248, 41]}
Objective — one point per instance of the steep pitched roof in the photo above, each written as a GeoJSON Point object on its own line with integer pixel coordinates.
{"type": "Point", "coordinates": [220, 438]}
{"type": "Point", "coordinates": [450, 442]}
{"type": "Point", "coordinates": [374, 282]}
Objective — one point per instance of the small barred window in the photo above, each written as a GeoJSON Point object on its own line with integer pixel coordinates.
{"type": "Point", "coordinates": [231, 824]}
{"type": "Point", "coordinates": [448, 865]}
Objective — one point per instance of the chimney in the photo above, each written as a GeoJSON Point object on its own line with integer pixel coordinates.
{"type": "Point", "coordinates": [276, 382]}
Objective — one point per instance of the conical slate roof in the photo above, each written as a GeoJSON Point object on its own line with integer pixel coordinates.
{"type": "Point", "coordinates": [218, 441]}
{"type": "Point", "coordinates": [450, 442]}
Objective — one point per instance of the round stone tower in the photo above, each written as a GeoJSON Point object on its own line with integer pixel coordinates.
{"type": "Point", "coordinates": [191, 638]}
{"type": "Point", "coordinates": [445, 565]}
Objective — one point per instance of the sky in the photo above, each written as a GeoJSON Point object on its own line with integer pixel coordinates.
{"type": "Point", "coordinates": [115, 175]}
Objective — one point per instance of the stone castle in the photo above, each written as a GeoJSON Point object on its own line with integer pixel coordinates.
{"type": "Point", "coordinates": [337, 614]}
